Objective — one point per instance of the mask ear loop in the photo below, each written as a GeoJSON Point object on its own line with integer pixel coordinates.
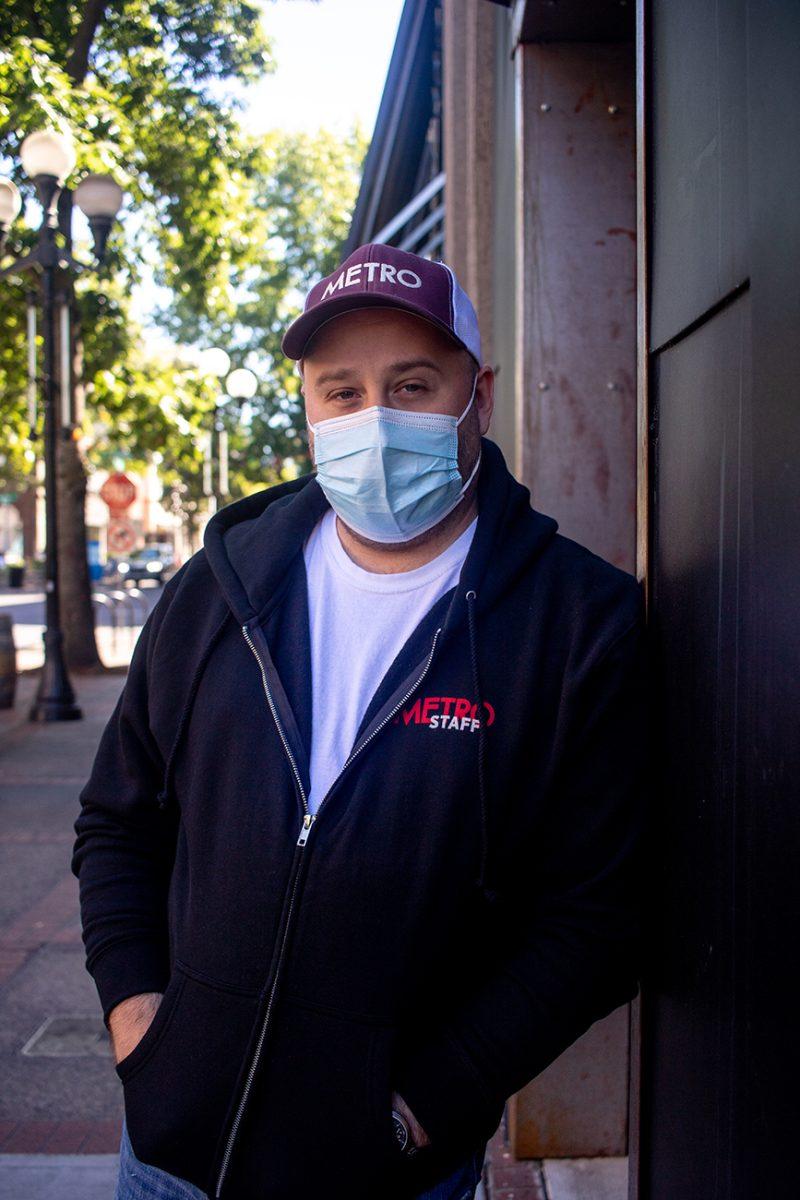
{"type": "Point", "coordinates": [472, 397]}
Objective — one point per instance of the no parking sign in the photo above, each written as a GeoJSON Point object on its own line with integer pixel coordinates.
{"type": "Point", "coordinates": [122, 536]}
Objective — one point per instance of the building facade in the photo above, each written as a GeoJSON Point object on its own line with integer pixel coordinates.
{"type": "Point", "coordinates": [615, 185]}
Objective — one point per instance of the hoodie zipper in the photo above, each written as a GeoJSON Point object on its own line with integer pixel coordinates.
{"type": "Point", "coordinates": [276, 719]}
{"type": "Point", "coordinates": [389, 716]}
{"type": "Point", "coordinates": [308, 820]}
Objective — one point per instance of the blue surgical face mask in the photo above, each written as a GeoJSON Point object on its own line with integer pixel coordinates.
{"type": "Point", "coordinates": [388, 473]}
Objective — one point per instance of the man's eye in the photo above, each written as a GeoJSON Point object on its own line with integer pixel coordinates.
{"type": "Point", "coordinates": [344, 394]}
{"type": "Point", "coordinates": [414, 388]}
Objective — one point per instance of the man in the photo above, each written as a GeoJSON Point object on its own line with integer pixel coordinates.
{"type": "Point", "coordinates": [360, 852]}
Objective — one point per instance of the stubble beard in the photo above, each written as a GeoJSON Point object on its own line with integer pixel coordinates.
{"type": "Point", "coordinates": [469, 447]}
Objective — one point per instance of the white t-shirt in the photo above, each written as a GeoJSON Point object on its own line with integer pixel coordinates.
{"type": "Point", "coordinates": [359, 622]}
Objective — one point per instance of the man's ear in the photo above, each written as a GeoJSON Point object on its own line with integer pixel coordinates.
{"type": "Point", "coordinates": [484, 397]}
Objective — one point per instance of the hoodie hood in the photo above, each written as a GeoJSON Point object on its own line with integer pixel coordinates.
{"type": "Point", "coordinates": [251, 544]}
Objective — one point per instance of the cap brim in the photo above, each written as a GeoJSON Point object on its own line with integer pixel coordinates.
{"type": "Point", "coordinates": [301, 331]}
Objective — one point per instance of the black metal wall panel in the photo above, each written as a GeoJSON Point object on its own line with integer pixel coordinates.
{"type": "Point", "coordinates": [768, 1096]}
{"type": "Point", "coordinates": [698, 143]}
{"type": "Point", "coordinates": [720, 1040]}
{"type": "Point", "coordinates": [701, 543]}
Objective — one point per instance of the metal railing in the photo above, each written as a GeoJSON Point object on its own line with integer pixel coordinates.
{"type": "Point", "coordinates": [419, 226]}
{"type": "Point", "coordinates": [127, 611]}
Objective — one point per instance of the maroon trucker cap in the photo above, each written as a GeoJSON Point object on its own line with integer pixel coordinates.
{"type": "Point", "coordinates": [383, 276]}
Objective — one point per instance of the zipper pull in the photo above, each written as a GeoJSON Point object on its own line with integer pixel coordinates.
{"type": "Point", "coordinates": [308, 821]}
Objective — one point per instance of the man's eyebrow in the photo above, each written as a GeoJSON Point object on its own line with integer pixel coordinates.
{"type": "Point", "coordinates": [396, 368]}
{"type": "Point", "coordinates": [411, 363]}
{"type": "Point", "coordinates": [334, 376]}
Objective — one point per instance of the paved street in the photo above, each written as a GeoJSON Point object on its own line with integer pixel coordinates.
{"type": "Point", "coordinates": [119, 614]}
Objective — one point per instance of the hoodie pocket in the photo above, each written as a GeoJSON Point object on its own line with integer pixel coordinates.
{"type": "Point", "coordinates": [128, 1066]}
{"type": "Point", "coordinates": [181, 1078]}
{"type": "Point", "coordinates": [320, 1108]}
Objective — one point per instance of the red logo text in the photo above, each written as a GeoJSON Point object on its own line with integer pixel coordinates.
{"type": "Point", "coordinates": [446, 712]}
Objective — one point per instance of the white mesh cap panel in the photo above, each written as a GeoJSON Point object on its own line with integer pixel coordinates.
{"type": "Point", "coordinates": [465, 319]}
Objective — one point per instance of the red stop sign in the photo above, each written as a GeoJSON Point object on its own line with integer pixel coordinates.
{"type": "Point", "coordinates": [118, 492]}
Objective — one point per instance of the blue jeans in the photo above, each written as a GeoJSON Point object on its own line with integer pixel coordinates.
{"type": "Point", "coordinates": [138, 1181]}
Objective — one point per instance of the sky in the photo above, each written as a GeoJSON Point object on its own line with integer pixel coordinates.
{"type": "Point", "coordinates": [331, 62]}
{"type": "Point", "coordinates": [332, 57]}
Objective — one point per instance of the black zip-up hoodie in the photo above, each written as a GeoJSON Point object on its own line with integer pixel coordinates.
{"type": "Point", "coordinates": [464, 905]}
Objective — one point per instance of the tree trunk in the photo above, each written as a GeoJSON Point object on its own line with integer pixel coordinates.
{"type": "Point", "coordinates": [77, 616]}
{"type": "Point", "coordinates": [78, 61]}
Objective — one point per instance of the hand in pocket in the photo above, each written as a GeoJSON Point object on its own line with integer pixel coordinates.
{"type": "Point", "coordinates": [129, 1021]}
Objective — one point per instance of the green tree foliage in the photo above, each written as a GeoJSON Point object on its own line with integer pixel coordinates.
{"type": "Point", "coordinates": [227, 229]}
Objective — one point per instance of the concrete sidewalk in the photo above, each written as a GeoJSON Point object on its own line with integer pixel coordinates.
{"type": "Point", "coordinates": [57, 1176]}
{"type": "Point", "coordinates": [60, 1095]}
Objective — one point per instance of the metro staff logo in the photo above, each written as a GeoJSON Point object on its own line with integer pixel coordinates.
{"type": "Point", "coordinates": [446, 712]}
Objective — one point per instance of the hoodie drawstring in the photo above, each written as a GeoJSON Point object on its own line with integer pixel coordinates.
{"type": "Point", "coordinates": [480, 882]}
{"type": "Point", "coordinates": [162, 799]}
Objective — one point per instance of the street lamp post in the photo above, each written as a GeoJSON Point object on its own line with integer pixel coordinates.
{"type": "Point", "coordinates": [48, 159]}
{"type": "Point", "coordinates": [241, 384]}
{"type": "Point", "coordinates": [217, 363]}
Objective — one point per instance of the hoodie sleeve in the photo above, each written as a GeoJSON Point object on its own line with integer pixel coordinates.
{"type": "Point", "coordinates": [125, 844]}
{"type": "Point", "coordinates": [572, 924]}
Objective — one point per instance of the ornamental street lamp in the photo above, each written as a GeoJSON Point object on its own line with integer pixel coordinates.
{"type": "Point", "coordinates": [241, 384]}
{"type": "Point", "coordinates": [48, 158]}
{"type": "Point", "coordinates": [99, 198]}
{"type": "Point", "coordinates": [217, 363]}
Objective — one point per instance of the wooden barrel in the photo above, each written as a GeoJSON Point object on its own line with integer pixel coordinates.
{"type": "Point", "coordinates": [8, 663]}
